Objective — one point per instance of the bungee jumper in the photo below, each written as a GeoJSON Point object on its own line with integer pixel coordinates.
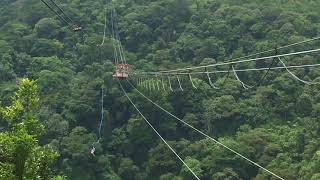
{"type": "Point", "coordinates": [77, 28]}
{"type": "Point", "coordinates": [92, 151]}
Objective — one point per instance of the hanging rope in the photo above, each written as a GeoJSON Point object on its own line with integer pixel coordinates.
{"type": "Point", "coordinates": [210, 82]}
{"type": "Point", "coordinates": [153, 86]}
{"type": "Point", "coordinates": [245, 86]}
{"type": "Point", "coordinates": [202, 133]}
{"type": "Point", "coordinates": [163, 85]}
{"type": "Point", "coordinates": [170, 84]}
{"type": "Point", "coordinates": [179, 83]}
{"type": "Point", "coordinates": [192, 82]}
{"type": "Point", "coordinates": [296, 77]}
{"type": "Point", "coordinates": [227, 77]}
{"type": "Point", "coordinates": [157, 83]}
{"type": "Point", "coordinates": [150, 86]}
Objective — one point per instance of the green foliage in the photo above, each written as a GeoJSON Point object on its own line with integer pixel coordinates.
{"type": "Point", "coordinates": [275, 124]}
{"type": "Point", "coordinates": [194, 165]}
{"type": "Point", "coordinates": [47, 28]}
{"type": "Point", "coordinates": [21, 156]}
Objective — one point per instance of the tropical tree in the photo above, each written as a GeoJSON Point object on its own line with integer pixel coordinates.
{"type": "Point", "coordinates": [21, 156]}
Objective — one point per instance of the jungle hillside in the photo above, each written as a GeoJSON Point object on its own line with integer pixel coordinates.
{"type": "Point", "coordinates": [64, 117]}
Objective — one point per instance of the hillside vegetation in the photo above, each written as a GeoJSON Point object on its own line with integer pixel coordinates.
{"type": "Point", "coordinates": [275, 124]}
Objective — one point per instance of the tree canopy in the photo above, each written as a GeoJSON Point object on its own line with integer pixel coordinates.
{"type": "Point", "coordinates": [49, 122]}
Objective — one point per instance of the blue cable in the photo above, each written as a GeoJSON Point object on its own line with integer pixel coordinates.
{"type": "Point", "coordinates": [101, 120]}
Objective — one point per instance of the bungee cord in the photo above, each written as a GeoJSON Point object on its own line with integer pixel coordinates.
{"type": "Point", "coordinates": [100, 125]}
{"type": "Point", "coordinates": [151, 126]}
{"type": "Point", "coordinates": [204, 134]}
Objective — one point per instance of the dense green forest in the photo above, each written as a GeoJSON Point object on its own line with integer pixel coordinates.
{"type": "Point", "coordinates": [51, 79]}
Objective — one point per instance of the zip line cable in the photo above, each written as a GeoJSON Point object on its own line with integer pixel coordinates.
{"type": "Point", "coordinates": [115, 25]}
{"type": "Point", "coordinates": [151, 126]}
{"type": "Point", "coordinates": [55, 4]}
{"type": "Point", "coordinates": [245, 86]}
{"type": "Point", "coordinates": [247, 70]}
{"type": "Point", "coordinates": [207, 136]}
{"type": "Point", "coordinates": [62, 15]}
{"type": "Point", "coordinates": [125, 93]}
{"type": "Point", "coordinates": [116, 36]}
{"type": "Point", "coordinates": [121, 51]}
{"type": "Point", "coordinates": [234, 62]}
{"type": "Point", "coordinates": [279, 48]}
{"type": "Point", "coordinates": [115, 52]}
{"type": "Point", "coordinates": [62, 18]}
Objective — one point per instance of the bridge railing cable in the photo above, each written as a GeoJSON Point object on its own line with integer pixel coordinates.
{"type": "Point", "coordinates": [204, 134]}
{"type": "Point", "coordinates": [151, 126]}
